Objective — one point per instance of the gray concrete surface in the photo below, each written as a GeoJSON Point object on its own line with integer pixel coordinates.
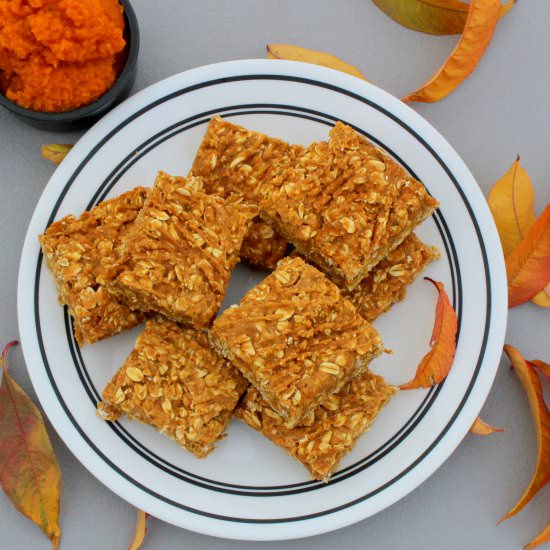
{"type": "Point", "coordinates": [502, 110]}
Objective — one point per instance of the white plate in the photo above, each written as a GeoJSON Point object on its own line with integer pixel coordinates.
{"type": "Point", "coordinates": [248, 488]}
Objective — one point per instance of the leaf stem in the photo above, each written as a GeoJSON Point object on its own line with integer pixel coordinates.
{"type": "Point", "coordinates": [5, 354]}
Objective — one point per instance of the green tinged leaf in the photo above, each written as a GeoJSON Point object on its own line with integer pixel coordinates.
{"type": "Point", "coordinates": [55, 152]}
{"type": "Point", "coordinates": [29, 472]}
{"type": "Point", "coordinates": [431, 16]}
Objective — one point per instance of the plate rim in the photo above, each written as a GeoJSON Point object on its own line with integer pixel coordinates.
{"type": "Point", "coordinates": [495, 261]}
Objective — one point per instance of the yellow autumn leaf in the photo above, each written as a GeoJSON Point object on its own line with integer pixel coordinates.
{"type": "Point", "coordinates": [140, 531]}
{"type": "Point", "coordinates": [481, 22]}
{"type": "Point", "coordinates": [480, 427]}
{"type": "Point", "coordinates": [55, 152]}
{"type": "Point", "coordinates": [290, 52]}
{"type": "Point", "coordinates": [542, 299]}
{"type": "Point", "coordinates": [431, 16]}
{"type": "Point", "coordinates": [511, 201]}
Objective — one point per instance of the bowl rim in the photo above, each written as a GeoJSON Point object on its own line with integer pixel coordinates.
{"type": "Point", "coordinates": [105, 100]}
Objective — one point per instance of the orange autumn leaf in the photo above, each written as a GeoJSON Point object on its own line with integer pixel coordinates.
{"type": "Point", "coordinates": [541, 538]}
{"type": "Point", "coordinates": [480, 427]}
{"type": "Point", "coordinates": [542, 367]}
{"type": "Point", "coordinates": [431, 16]}
{"type": "Point", "coordinates": [29, 472]}
{"type": "Point", "coordinates": [55, 152]}
{"type": "Point", "coordinates": [297, 53]}
{"type": "Point", "coordinates": [541, 417]}
{"type": "Point", "coordinates": [528, 265]}
{"type": "Point", "coordinates": [511, 201]}
{"type": "Point", "coordinates": [435, 365]}
{"type": "Point", "coordinates": [140, 531]}
{"type": "Point", "coordinates": [481, 22]}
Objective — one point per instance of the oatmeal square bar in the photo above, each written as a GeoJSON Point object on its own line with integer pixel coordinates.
{"type": "Point", "coordinates": [387, 282]}
{"type": "Point", "coordinates": [262, 246]}
{"type": "Point", "coordinates": [178, 258]}
{"type": "Point", "coordinates": [345, 205]}
{"type": "Point", "coordinates": [327, 433]}
{"type": "Point", "coordinates": [82, 255]}
{"type": "Point", "coordinates": [295, 338]}
{"type": "Point", "coordinates": [234, 161]}
{"type": "Point", "coordinates": [174, 381]}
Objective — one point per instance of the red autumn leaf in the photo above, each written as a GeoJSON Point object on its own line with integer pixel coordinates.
{"type": "Point", "coordinates": [541, 417]}
{"type": "Point", "coordinates": [541, 538]}
{"type": "Point", "coordinates": [29, 472]}
{"type": "Point", "coordinates": [140, 531]}
{"type": "Point", "coordinates": [480, 427]}
{"type": "Point", "coordinates": [480, 25]}
{"type": "Point", "coordinates": [528, 265]}
{"type": "Point", "coordinates": [435, 365]}
{"type": "Point", "coordinates": [542, 367]}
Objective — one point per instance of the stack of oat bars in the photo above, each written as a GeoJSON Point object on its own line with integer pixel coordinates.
{"type": "Point", "coordinates": [291, 359]}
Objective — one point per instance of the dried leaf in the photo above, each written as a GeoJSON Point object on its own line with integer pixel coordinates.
{"type": "Point", "coordinates": [511, 201]}
{"type": "Point", "coordinates": [542, 299]}
{"type": "Point", "coordinates": [541, 538]}
{"type": "Point", "coordinates": [431, 16]}
{"type": "Point", "coordinates": [435, 365]}
{"type": "Point", "coordinates": [29, 472]}
{"type": "Point", "coordinates": [506, 7]}
{"type": "Point", "coordinates": [542, 367]}
{"type": "Point", "coordinates": [297, 53]}
{"type": "Point", "coordinates": [481, 22]}
{"type": "Point", "coordinates": [528, 265]}
{"type": "Point", "coordinates": [140, 532]}
{"type": "Point", "coordinates": [55, 152]}
{"type": "Point", "coordinates": [480, 427]}
{"type": "Point", "coordinates": [541, 418]}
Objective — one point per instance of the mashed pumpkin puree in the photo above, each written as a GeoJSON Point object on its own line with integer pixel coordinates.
{"type": "Point", "coordinates": [58, 55]}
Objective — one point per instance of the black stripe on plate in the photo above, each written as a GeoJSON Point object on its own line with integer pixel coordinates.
{"type": "Point", "coordinates": [172, 469]}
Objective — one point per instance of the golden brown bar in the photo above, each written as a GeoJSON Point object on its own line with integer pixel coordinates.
{"type": "Point", "coordinates": [174, 381]}
{"type": "Point", "coordinates": [178, 258]}
{"type": "Point", "coordinates": [387, 282]}
{"type": "Point", "coordinates": [234, 161]}
{"type": "Point", "coordinates": [262, 246]}
{"type": "Point", "coordinates": [329, 432]}
{"type": "Point", "coordinates": [82, 255]}
{"type": "Point", "coordinates": [345, 205]}
{"type": "Point", "coordinates": [295, 338]}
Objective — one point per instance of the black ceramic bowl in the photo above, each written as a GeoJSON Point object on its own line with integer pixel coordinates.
{"type": "Point", "coordinates": [84, 117]}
